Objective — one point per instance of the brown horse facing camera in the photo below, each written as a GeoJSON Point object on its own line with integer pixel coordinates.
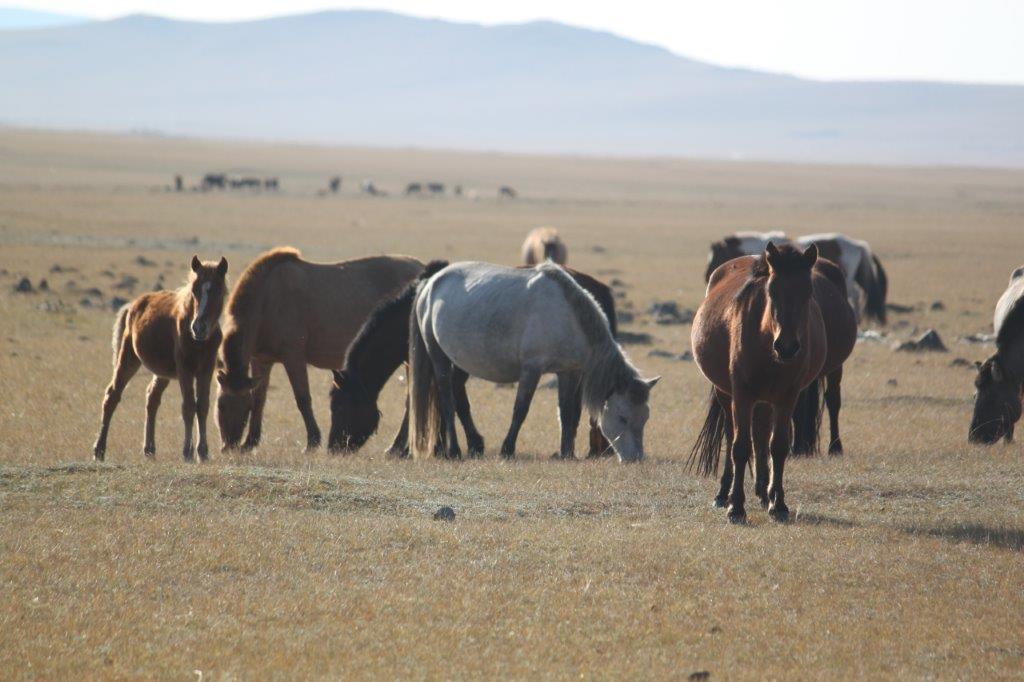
{"type": "Point", "coordinates": [759, 338]}
{"type": "Point", "coordinates": [175, 335]}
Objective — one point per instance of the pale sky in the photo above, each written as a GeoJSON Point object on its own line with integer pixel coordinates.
{"type": "Point", "coordinates": [956, 40]}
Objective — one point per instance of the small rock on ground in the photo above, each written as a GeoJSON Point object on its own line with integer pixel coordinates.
{"type": "Point", "coordinates": [444, 514]}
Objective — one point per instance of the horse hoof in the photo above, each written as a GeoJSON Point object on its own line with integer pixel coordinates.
{"type": "Point", "coordinates": [764, 501]}
{"type": "Point", "coordinates": [720, 502]}
{"type": "Point", "coordinates": [98, 455]}
{"type": "Point", "coordinates": [836, 448]}
{"type": "Point", "coordinates": [779, 514]}
{"type": "Point", "coordinates": [737, 517]}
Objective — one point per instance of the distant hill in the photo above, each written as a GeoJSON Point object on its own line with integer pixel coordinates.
{"type": "Point", "coordinates": [17, 18]}
{"type": "Point", "coordinates": [377, 78]}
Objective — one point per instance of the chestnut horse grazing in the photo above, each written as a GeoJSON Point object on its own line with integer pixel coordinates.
{"type": "Point", "coordinates": [759, 338]}
{"type": "Point", "coordinates": [175, 334]}
{"type": "Point", "coordinates": [382, 346]}
{"type": "Point", "coordinates": [288, 310]}
{"type": "Point", "coordinates": [1000, 379]}
{"type": "Point", "coordinates": [543, 243]}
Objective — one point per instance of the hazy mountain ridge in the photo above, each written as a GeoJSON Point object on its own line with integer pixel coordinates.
{"type": "Point", "coordinates": [368, 77]}
{"type": "Point", "coordinates": [17, 18]}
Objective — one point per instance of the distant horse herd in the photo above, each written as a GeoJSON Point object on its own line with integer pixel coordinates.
{"type": "Point", "coordinates": [224, 181]}
{"type": "Point", "coordinates": [778, 321]}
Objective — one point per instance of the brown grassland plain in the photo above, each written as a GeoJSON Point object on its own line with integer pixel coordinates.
{"type": "Point", "coordinates": [905, 558]}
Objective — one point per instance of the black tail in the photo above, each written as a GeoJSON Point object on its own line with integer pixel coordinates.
{"type": "Point", "coordinates": [708, 448]}
{"type": "Point", "coordinates": [877, 292]}
{"type": "Point", "coordinates": [807, 421]}
{"type": "Point", "coordinates": [550, 250]}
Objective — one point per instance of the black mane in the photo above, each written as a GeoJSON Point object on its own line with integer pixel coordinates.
{"type": "Point", "coordinates": [1012, 325]}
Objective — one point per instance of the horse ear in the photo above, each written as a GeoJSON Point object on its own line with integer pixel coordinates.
{"type": "Point", "coordinates": [222, 266]}
{"type": "Point", "coordinates": [339, 378]}
{"type": "Point", "coordinates": [770, 252]}
{"type": "Point", "coordinates": [196, 264]}
{"type": "Point", "coordinates": [811, 255]}
{"type": "Point", "coordinates": [651, 383]}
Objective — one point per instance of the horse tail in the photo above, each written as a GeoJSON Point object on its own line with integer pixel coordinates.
{"type": "Point", "coordinates": [425, 434]}
{"type": "Point", "coordinates": [877, 292]}
{"type": "Point", "coordinates": [119, 326]}
{"type": "Point", "coordinates": [708, 449]}
{"type": "Point", "coordinates": [807, 420]}
{"type": "Point", "coordinates": [551, 250]}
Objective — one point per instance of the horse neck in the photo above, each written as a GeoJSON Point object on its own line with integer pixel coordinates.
{"type": "Point", "coordinates": [376, 357]}
{"type": "Point", "coordinates": [238, 344]}
{"type": "Point", "coordinates": [1011, 356]}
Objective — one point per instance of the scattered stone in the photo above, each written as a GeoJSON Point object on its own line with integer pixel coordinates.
{"type": "Point", "coordinates": [929, 341]}
{"type": "Point", "coordinates": [596, 248]}
{"type": "Point", "coordinates": [108, 274]}
{"type": "Point", "coordinates": [623, 317]}
{"type": "Point", "coordinates": [871, 335]}
{"type": "Point", "coordinates": [145, 262]}
{"type": "Point", "coordinates": [635, 338]}
{"type": "Point", "coordinates": [116, 302]}
{"type": "Point", "coordinates": [699, 676]}
{"type": "Point", "coordinates": [668, 312]}
{"type": "Point", "coordinates": [938, 305]}
{"type": "Point", "coordinates": [43, 285]}
{"type": "Point", "coordinates": [899, 309]}
{"type": "Point", "coordinates": [978, 338]}
{"type": "Point", "coordinates": [24, 286]}
{"type": "Point", "coordinates": [616, 282]}
{"type": "Point", "coordinates": [86, 303]}
{"type": "Point", "coordinates": [127, 283]}
{"type": "Point", "coordinates": [57, 269]}
{"type": "Point", "coordinates": [961, 362]}
{"type": "Point", "coordinates": [659, 353]}
{"type": "Point", "coordinates": [686, 356]}
{"type": "Point", "coordinates": [892, 382]}
{"type": "Point", "coordinates": [444, 514]}
{"type": "Point", "coordinates": [92, 291]}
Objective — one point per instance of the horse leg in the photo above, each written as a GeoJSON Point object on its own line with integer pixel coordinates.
{"type": "Point", "coordinates": [569, 410]}
{"type": "Point", "coordinates": [722, 499]}
{"type": "Point", "coordinates": [834, 401]}
{"type": "Point", "coordinates": [782, 440]}
{"type": "Point", "coordinates": [474, 441]}
{"type": "Point", "coordinates": [528, 379]}
{"type": "Point", "coordinates": [128, 364]}
{"type": "Point", "coordinates": [203, 379]}
{"type": "Point", "coordinates": [400, 445]}
{"type": "Point", "coordinates": [187, 382]}
{"type": "Point", "coordinates": [298, 376]}
{"type": "Point", "coordinates": [762, 434]}
{"type": "Point", "coordinates": [742, 410]}
{"type": "Point", "coordinates": [153, 395]}
{"type": "Point", "coordinates": [599, 445]}
{"type": "Point", "coordinates": [261, 379]}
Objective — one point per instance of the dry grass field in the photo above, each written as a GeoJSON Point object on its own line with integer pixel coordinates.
{"type": "Point", "coordinates": [905, 558]}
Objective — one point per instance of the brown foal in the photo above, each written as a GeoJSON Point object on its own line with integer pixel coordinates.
{"type": "Point", "coordinates": [175, 334]}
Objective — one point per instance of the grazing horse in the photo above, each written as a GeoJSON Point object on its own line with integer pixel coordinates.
{"type": "Point", "coordinates": [543, 243]}
{"type": "Point", "coordinates": [862, 269]}
{"type": "Point", "coordinates": [506, 324]}
{"type": "Point", "coordinates": [841, 336]}
{"type": "Point", "coordinates": [507, 192]}
{"type": "Point", "coordinates": [864, 272]}
{"type": "Point", "coordinates": [382, 345]}
{"type": "Point", "coordinates": [1000, 379]}
{"type": "Point", "coordinates": [760, 339]}
{"type": "Point", "coordinates": [175, 335]}
{"type": "Point", "coordinates": [740, 244]}
{"type": "Point", "coordinates": [288, 310]}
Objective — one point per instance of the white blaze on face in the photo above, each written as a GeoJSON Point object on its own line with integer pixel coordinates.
{"type": "Point", "coordinates": [204, 299]}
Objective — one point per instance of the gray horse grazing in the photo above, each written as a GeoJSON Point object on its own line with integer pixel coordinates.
{"type": "Point", "coordinates": [508, 324]}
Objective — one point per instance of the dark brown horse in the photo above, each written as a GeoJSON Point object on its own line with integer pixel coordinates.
{"type": "Point", "coordinates": [1000, 380]}
{"type": "Point", "coordinates": [382, 346]}
{"type": "Point", "coordinates": [175, 334]}
{"type": "Point", "coordinates": [759, 338]}
{"type": "Point", "coordinates": [841, 335]}
{"type": "Point", "coordinates": [288, 310]}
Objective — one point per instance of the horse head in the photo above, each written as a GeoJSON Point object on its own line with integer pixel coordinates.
{"type": "Point", "coordinates": [354, 414]}
{"type": "Point", "coordinates": [722, 251]}
{"type": "Point", "coordinates": [207, 289]}
{"type": "Point", "coordinates": [624, 416]}
{"type": "Point", "coordinates": [789, 293]}
{"type": "Point", "coordinates": [997, 403]}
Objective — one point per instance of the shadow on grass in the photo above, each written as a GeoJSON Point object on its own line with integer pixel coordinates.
{"type": "Point", "coordinates": [821, 520]}
{"type": "Point", "coordinates": [975, 534]}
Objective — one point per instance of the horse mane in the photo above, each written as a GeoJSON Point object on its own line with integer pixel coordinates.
{"type": "Point", "coordinates": [1013, 324]}
{"type": "Point", "coordinates": [608, 368]}
{"type": "Point", "coordinates": [365, 347]}
{"type": "Point", "coordinates": [602, 293]}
